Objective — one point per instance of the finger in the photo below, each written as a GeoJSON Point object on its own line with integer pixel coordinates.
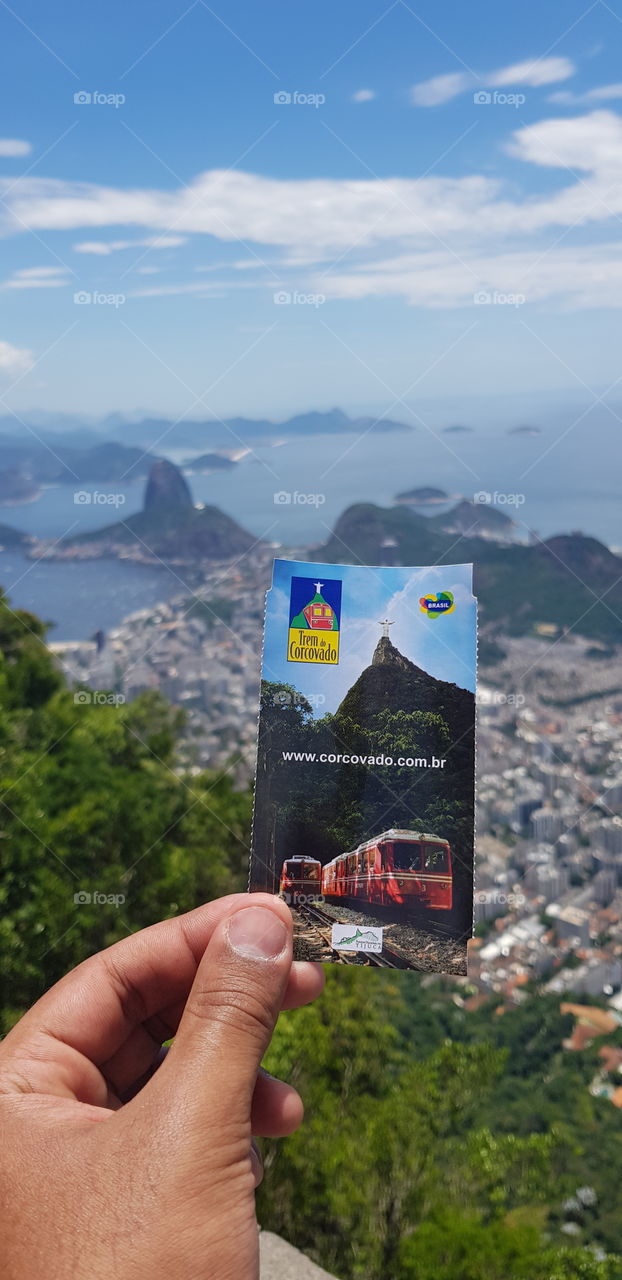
{"type": "Point", "coordinates": [211, 1070]}
{"type": "Point", "coordinates": [96, 1006]}
{"type": "Point", "coordinates": [306, 983]}
{"type": "Point", "coordinates": [125, 1067]}
{"type": "Point", "coordinates": [276, 1109]}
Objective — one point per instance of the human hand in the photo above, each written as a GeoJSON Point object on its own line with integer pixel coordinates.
{"type": "Point", "coordinates": [93, 1185]}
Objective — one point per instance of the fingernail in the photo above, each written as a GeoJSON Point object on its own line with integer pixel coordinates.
{"type": "Point", "coordinates": [257, 933]}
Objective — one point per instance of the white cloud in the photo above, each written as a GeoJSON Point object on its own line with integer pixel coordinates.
{"type": "Point", "coordinates": [302, 214]}
{"type": "Point", "coordinates": [14, 147]}
{"type": "Point", "coordinates": [14, 360]}
{"type": "Point", "coordinates": [101, 247]}
{"type": "Point", "coordinates": [604, 93]}
{"type": "Point", "coordinates": [201, 288]}
{"type": "Point", "coordinates": [431, 93]}
{"type": "Point", "coordinates": [363, 95]}
{"type": "Point", "coordinates": [571, 277]}
{"type": "Point", "coordinates": [592, 143]}
{"type": "Point", "coordinates": [37, 278]}
{"type": "Point", "coordinates": [310, 219]}
{"type": "Point", "coordinates": [434, 241]}
{"type": "Point", "coordinates": [534, 73]}
{"type": "Point", "coordinates": [105, 247]}
{"type": "Point", "coordinates": [242, 264]}
{"type": "Point", "coordinates": [27, 272]}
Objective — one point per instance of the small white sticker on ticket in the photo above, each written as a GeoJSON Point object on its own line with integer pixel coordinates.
{"type": "Point", "coordinates": [355, 937]}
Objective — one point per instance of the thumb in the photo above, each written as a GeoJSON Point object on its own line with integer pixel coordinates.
{"type": "Point", "coordinates": [230, 1015]}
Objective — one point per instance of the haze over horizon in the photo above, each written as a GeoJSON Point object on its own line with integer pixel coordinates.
{"type": "Point", "coordinates": [263, 212]}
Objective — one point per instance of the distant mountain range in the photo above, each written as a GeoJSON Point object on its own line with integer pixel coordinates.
{"type": "Point", "coordinates": [204, 433]}
{"type": "Point", "coordinates": [478, 520]}
{"type": "Point", "coordinates": [27, 462]}
{"type": "Point", "coordinates": [16, 488]}
{"type": "Point", "coordinates": [208, 462]}
{"type": "Point", "coordinates": [199, 434]}
{"type": "Point", "coordinates": [424, 496]}
{"type": "Point", "coordinates": [13, 537]}
{"type": "Point", "coordinates": [73, 456]}
{"type": "Point", "coordinates": [471, 519]}
{"type": "Point", "coordinates": [567, 581]}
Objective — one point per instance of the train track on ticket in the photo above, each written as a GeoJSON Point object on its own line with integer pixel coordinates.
{"type": "Point", "coordinates": [386, 959]}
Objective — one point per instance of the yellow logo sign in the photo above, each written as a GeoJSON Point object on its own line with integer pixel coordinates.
{"type": "Point", "coordinates": [314, 619]}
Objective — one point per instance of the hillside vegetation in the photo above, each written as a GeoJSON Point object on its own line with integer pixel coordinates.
{"type": "Point", "coordinates": [439, 1144]}
{"type": "Point", "coordinates": [570, 581]}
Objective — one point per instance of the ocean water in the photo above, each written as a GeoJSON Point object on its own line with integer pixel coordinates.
{"type": "Point", "coordinates": [566, 478]}
{"type": "Point", "coordinates": [79, 598]}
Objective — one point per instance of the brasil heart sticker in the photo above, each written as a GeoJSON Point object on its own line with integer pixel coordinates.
{"type": "Point", "coordinates": [434, 606]}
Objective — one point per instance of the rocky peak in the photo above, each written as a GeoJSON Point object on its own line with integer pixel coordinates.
{"type": "Point", "coordinates": [385, 654]}
{"type": "Point", "coordinates": [392, 682]}
{"type": "Point", "coordinates": [166, 487]}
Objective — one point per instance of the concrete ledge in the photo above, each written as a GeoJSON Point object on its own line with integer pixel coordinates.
{"type": "Point", "coordinates": [280, 1261]}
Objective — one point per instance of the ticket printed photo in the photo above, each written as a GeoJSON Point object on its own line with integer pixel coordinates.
{"type": "Point", "coordinates": [364, 793]}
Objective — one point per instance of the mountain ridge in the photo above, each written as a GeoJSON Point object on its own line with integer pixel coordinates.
{"type": "Point", "coordinates": [393, 681]}
{"type": "Point", "coordinates": [207, 433]}
{"type": "Point", "coordinates": [520, 587]}
{"type": "Point", "coordinates": [169, 528]}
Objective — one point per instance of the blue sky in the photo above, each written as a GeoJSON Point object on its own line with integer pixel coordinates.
{"type": "Point", "coordinates": [419, 239]}
{"type": "Point", "coordinates": [445, 646]}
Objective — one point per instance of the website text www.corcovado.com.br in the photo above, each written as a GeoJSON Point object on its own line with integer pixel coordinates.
{"type": "Point", "coordinates": [331, 757]}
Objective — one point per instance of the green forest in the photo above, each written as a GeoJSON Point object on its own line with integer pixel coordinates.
{"type": "Point", "coordinates": [439, 1144]}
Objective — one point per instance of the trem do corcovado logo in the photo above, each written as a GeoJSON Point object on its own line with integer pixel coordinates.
{"type": "Point", "coordinates": [435, 605]}
{"type": "Point", "coordinates": [314, 620]}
